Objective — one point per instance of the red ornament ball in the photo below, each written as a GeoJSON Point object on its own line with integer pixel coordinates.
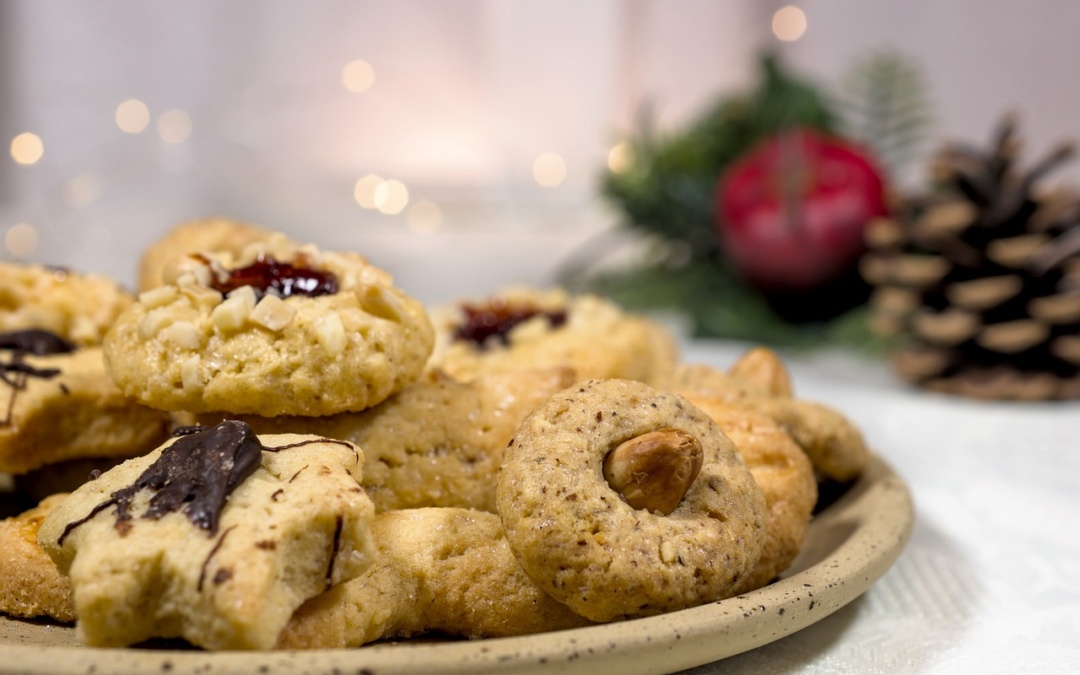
{"type": "Point", "coordinates": [790, 213]}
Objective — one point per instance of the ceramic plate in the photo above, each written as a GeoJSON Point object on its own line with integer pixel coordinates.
{"type": "Point", "coordinates": [850, 544]}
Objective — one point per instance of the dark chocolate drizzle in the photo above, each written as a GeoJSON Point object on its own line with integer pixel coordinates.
{"type": "Point", "coordinates": [494, 321]}
{"type": "Point", "coordinates": [15, 372]}
{"type": "Point", "coordinates": [194, 475]}
{"type": "Point", "coordinates": [335, 547]}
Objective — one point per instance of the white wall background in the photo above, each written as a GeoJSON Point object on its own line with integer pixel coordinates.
{"type": "Point", "coordinates": [467, 94]}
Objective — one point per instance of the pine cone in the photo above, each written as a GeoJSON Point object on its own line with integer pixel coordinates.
{"type": "Point", "coordinates": [981, 277]}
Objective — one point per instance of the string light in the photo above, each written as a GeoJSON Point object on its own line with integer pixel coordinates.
{"type": "Point", "coordinates": [789, 23]}
{"type": "Point", "coordinates": [174, 126]}
{"type": "Point", "coordinates": [27, 148]}
{"type": "Point", "coordinates": [21, 240]}
{"type": "Point", "coordinates": [549, 169]}
{"type": "Point", "coordinates": [358, 76]}
{"type": "Point", "coordinates": [391, 197]}
{"type": "Point", "coordinates": [364, 190]}
{"type": "Point", "coordinates": [132, 116]}
{"type": "Point", "coordinates": [424, 217]}
{"type": "Point", "coordinates": [620, 158]}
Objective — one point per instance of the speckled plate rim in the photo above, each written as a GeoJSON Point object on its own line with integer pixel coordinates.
{"type": "Point", "coordinates": [850, 545]}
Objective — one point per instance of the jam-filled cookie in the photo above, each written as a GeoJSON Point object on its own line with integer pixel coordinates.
{"type": "Point", "coordinates": [521, 328]}
{"type": "Point", "coordinates": [442, 570]}
{"type": "Point", "coordinates": [196, 236]}
{"type": "Point", "coordinates": [438, 442]}
{"type": "Point", "coordinates": [622, 501]}
{"type": "Point", "coordinates": [217, 537]}
{"type": "Point", "coordinates": [78, 307]}
{"type": "Point", "coordinates": [57, 403]}
{"type": "Point", "coordinates": [281, 330]}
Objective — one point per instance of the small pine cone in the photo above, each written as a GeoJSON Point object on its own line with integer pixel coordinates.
{"type": "Point", "coordinates": [980, 279]}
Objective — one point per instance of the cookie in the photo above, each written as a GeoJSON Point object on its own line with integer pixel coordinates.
{"type": "Point", "coordinates": [759, 382]}
{"type": "Point", "coordinates": [623, 501]}
{"type": "Point", "coordinates": [443, 570]}
{"type": "Point", "coordinates": [196, 236]}
{"type": "Point", "coordinates": [438, 442]}
{"type": "Point", "coordinates": [31, 585]}
{"type": "Point", "coordinates": [63, 406]}
{"type": "Point", "coordinates": [76, 306]}
{"type": "Point", "coordinates": [782, 471]}
{"type": "Point", "coordinates": [282, 330]}
{"type": "Point", "coordinates": [758, 372]}
{"type": "Point", "coordinates": [216, 537]}
{"type": "Point", "coordinates": [522, 328]}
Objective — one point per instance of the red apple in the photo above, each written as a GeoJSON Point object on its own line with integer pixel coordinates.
{"type": "Point", "coordinates": [790, 213]}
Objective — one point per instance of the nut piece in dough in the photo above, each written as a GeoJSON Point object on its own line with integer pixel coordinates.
{"type": "Point", "coordinates": [159, 547]}
{"type": "Point", "coordinates": [653, 471]}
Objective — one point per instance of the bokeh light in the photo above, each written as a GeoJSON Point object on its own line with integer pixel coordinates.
{"type": "Point", "coordinates": [364, 190]}
{"type": "Point", "coordinates": [620, 158]}
{"type": "Point", "coordinates": [21, 240]}
{"type": "Point", "coordinates": [27, 148]}
{"type": "Point", "coordinates": [174, 126]}
{"type": "Point", "coordinates": [789, 23]}
{"type": "Point", "coordinates": [424, 216]}
{"type": "Point", "coordinates": [358, 76]}
{"type": "Point", "coordinates": [549, 169]}
{"type": "Point", "coordinates": [391, 197]}
{"type": "Point", "coordinates": [82, 190]}
{"type": "Point", "coordinates": [132, 116]}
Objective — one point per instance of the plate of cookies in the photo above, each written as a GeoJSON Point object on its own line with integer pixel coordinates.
{"type": "Point", "coordinates": [272, 459]}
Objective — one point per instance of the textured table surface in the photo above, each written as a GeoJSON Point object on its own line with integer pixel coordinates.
{"type": "Point", "coordinates": [990, 581]}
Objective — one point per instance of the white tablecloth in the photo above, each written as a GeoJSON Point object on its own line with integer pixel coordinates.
{"type": "Point", "coordinates": [990, 580]}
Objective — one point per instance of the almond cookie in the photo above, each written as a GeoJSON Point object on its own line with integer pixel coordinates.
{"type": "Point", "coordinates": [438, 442]}
{"type": "Point", "coordinates": [281, 330]}
{"type": "Point", "coordinates": [57, 403]}
{"type": "Point", "coordinates": [759, 381]}
{"type": "Point", "coordinates": [782, 471]}
{"type": "Point", "coordinates": [31, 585]}
{"type": "Point", "coordinates": [196, 236]}
{"type": "Point", "coordinates": [217, 537]}
{"type": "Point", "coordinates": [78, 307]}
{"type": "Point", "coordinates": [443, 570]}
{"type": "Point", "coordinates": [622, 501]}
{"type": "Point", "coordinates": [523, 328]}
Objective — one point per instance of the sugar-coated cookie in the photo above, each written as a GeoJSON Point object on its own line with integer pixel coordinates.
{"type": "Point", "coordinates": [62, 406]}
{"type": "Point", "coordinates": [217, 537]}
{"type": "Point", "coordinates": [438, 442]}
{"type": "Point", "coordinates": [758, 381]}
{"type": "Point", "coordinates": [30, 584]}
{"type": "Point", "coordinates": [281, 330]}
{"type": "Point", "coordinates": [78, 307]}
{"type": "Point", "coordinates": [623, 501]}
{"type": "Point", "coordinates": [521, 328]}
{"type": "Point", "coordinates": [782, 471]}
{"type": "Point", "coordinates": [443, 570]}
